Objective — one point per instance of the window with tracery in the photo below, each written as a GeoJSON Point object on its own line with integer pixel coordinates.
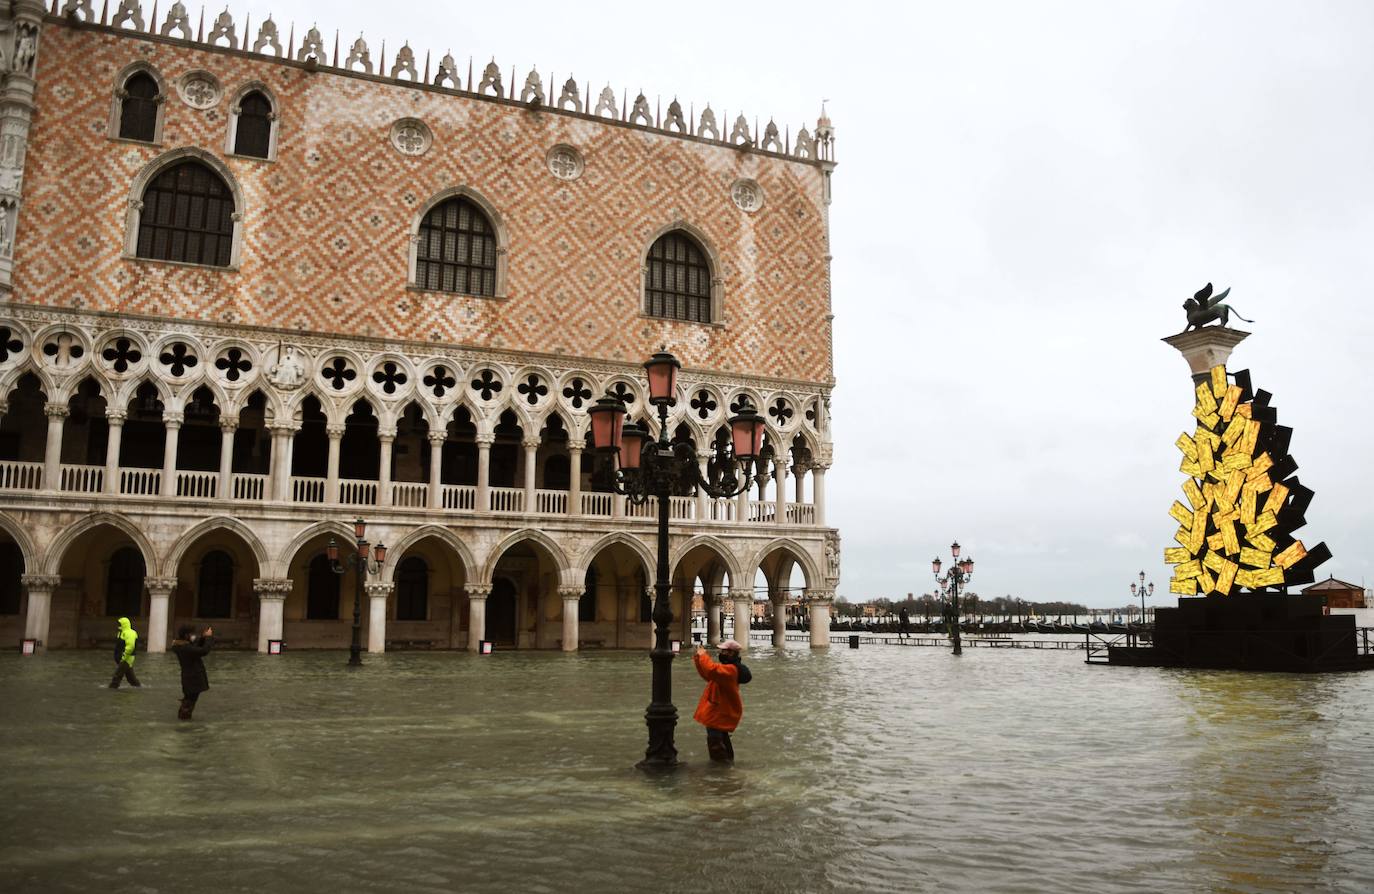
{"type": "Point", "coordinates": [677, 279]}
{"type": "Point", "coordinates": [456, 251]}
{"type": "Point", "coordinates": [138, 108]}
{"type": "Point", "coordinates": [253, 132]}
{"type": "Point", "coordinates": [187, 215]}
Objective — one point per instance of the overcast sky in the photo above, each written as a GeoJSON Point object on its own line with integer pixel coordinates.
{"type": "Point", "coordinates": [1027, 191]}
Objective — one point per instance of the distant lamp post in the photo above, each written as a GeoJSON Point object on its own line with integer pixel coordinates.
{"type": "Point", "coordinates": [364, 564]}
{"type": "Point", "coordinates": [1143, 590]}
{"type": "Point", "coordinates": [641, 468]}
{"type": "Point", "coordinates": [958, 576]}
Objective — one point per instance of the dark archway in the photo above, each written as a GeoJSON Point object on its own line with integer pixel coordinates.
{"type": "Point", "coordinates": [322, 591]}
{"type": "Point", "coordinates": [412, 589]}
{"type": "Point", "coordinates": [11, 570]}
{"type": "Point", "coordinates": [124, 583]}
{"type": "Point", "coordinates": [145, 433]}
{"type": "Point", "coordinates": [501, 612]}
{"type": "Point", "coordinates": [24, 427]}
{"type": "Point", "coordinates": [215, 585]}
{"type": "Point", "coordinates": [87, 430]}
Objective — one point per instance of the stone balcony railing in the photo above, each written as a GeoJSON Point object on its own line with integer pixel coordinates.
{"type": "Point", "coordinates": [240, 487]}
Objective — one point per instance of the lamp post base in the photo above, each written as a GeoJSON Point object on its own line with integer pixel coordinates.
{"type": "Point", "coordinates": [661, 755]}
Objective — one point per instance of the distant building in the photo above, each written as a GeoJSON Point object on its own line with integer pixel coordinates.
{"type": "Point", "coordinates": [1338, 593]}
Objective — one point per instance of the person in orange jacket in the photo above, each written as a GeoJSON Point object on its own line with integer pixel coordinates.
{"type": "Point", "coordinates": [720, 708]}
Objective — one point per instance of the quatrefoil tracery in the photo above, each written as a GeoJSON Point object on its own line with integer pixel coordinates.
{"type": "Point", "coordinates": [439, 381]}
{"type": "Point", "coordinates": [121, 355]}
{"type": "Point", "coordinates": [63, 349]}
{"type": "Point", "coordinates": [389, 376]}
{"type": "Point", "coordinates": [178, 358]}
{"type": "Point", "coordinates": [577, 393]}
{"type": "Point", "coordinates": [781, 411]}
{"type": "Point", "coordinates": [233, 364]}
{"type": "Point", "coordinates": [338, 373]}
{"type": "Point", "coordinates": [487, 384]}
{"type": "Point", "coordinates": [621, 392]}
{"type": "Point", "coordinates": [533, 389]}
{"type": "Point", "coordinates": [704, 404]}
{"type": "Point", "coordinates": [741, 404]}
{"type": "Point", "coordinates": [9, 343]}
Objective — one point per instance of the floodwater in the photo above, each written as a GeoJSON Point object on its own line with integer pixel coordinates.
{"type": "Point", "coordinates": [882, 769]}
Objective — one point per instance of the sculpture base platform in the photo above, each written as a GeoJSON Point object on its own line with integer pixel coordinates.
{"type": "Point", "coordinates": [1253, 632]}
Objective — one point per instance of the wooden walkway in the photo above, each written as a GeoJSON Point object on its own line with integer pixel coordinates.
{"type": "Point", "coordinates": [841, 638]}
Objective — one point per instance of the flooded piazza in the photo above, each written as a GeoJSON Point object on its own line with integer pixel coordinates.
{"type": "Point", "coordinates": [882, 769]}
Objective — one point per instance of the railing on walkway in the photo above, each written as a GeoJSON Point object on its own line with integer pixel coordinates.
{"type": "Point", "coordinates": [82, 479]}
{"type": "Point", "coordinates": [247, 486]}
{"type": "Point", "coordinates": [682, 508]}
{"type": "Point", "coordinates": [507, 499]}
{"type": "Point", "coordinates": [308, 490]}
{"type": "Point", "coordinates": [203, 485]}
{"type": "Point", "coordinates": [15, 475]}
{"type": "Point", "coordinates": [459, 496]}
{"type": "Point", "coordinates": [409, 494]}
{"type": "Point", "coordinates": [597, 504]}
{"type": "Point", "coordinates": [140, 482]}
{"type": "Point", "coordinates": [357, 492]}
{"type": "Point", "coordinates": [551, 502]}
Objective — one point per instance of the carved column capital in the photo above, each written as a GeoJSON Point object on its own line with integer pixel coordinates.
{"type": "Point", "coordinates": [54, 411]}
{"type": "Point", "coordinates": [386, 434]}
{"type": "Point", "coordinates": [271, 588]}
{"type": "Point", "coordinates": [577, 445]}
{"type": "Point", "coordinates": [335, 432]}
{"type": "Point", "coordinates": [228, 424]}
{"type": "Point", "coordinates": [41, 583]}
{"type": "Point", "coordinates": [160, 586]}
{"type": "Point", "coordinates": [378, 590]}
{"type": "Point", "coordinates": [478, 591]}
{"type": "Point", "coordinates": [531, 443]}
{"type": "Point", "coordinates": [437, 437]}
{"type": "Point", "coordinates": [570, 593]}
{"type": "Point", "coordinates": [819, 595]}
{"type": "Point", "coordinates": [173, 420]}
{"type": "Point", "coordinates": [746, 596]}
{"type": "Point", "coordinates": [116, 417]}
{"type": "Point", "coordinates": [485, 440]}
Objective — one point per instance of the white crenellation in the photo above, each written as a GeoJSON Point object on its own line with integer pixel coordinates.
{"type": "Point", "coordinates": [405, 62]}
{"type": "Point", "coordinates": [130, 12]}
{"type": "Point", "coordinates": [606, 103]}
{"type": "Point", "coordinates": [267, 37]}
{"type": "Point", "coordinates": [771, 143]}
{"type": "Point", "coordinates": [708, 124]}
{"type": "Point", "coordinates": [739, 134]}
{"type": "Point", "coordinates": [639, 112]}
{"type": "Point", "coordinates": [673, 121]}
{"type": "Point", "coordinates": [359, 55]}
{"type": "Point", "coordinates": [570, 98]}
{"type": "Point", "coordinates": [79, 10]}
{"type": "Point", "coordinates": [177, 20]}
{"type": "Point", "coordinates": [312, 47]}
{"type": "Point", "coordinates": [223, 29]}
{"type": "Point", "coordinates": [448, 71]}
{"type": "Point", "coordinates": [534, 89]}
{"type": "Point", "coordinates": [491, 79]}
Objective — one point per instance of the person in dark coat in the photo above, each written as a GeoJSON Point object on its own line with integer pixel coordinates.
{"type": "Point", "coordinates": [905, 623]}
{"type": "Point", "coordinates": [191, 651]}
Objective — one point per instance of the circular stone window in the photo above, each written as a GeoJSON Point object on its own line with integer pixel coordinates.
{"type": "Point", "coordinates": [565, 162]}
{"type": "Point", "coordinates": [747, 195]}
{"type": "Point", "coordinates": [199, 90]}
{"type": "Point", "coordinates": [411, 136]}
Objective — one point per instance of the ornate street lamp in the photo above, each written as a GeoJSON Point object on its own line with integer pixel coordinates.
{"type": "Point", "coordinates": [364, 565]}
{"type": "Point", "coordinates": [959, 574]}
{"type": "Point", "coordinates": [642, 467]}
{"type": "Point", "coordinates": [1143, 590]}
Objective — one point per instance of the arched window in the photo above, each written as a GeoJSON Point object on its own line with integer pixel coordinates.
{"type": "Point", "coordinates": [138, 108]}
{"type": "Point", "coordinates": [253, 131]}
{"type": "Point", "coordinates": [677, 279]}
{"type": "Point", "coordinates": [187, 215]}
{"type": "Point", "coordinates": [322, 591]}
{"type": "Point", "coordinates": [456, 249]}
{"type": "Point", "coordinates": [412, 590]}
{"type": "Point", "coordinates": [215, 588]}
{"type": "Point", "coordinates": [586, 603]}
{"type": "Point", "coordinates": [124, 583]}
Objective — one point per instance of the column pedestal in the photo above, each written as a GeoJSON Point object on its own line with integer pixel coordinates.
{"type": "Point", "coordinates": [818, 608]}
{"type": "Point", "coordinates": [712, 619]}
{"type": "Point", "coordinates": [1205, 348]}
{"type": "Point", "coordinates": [39, 617]}
{"type": "Point", "coordinates": [477, 614]}
{"type": "Point", "coordinates": [779, 622]}
{"type": "Point", "coordinates": [743, 601]}
{"type": "Point", "coordinates": [377, 595]}
{"type": "Point", "coordinates": [571, 598]}
{"type": "Point", "coordinates": [271, 593]}
{"type": "Point", "coordinates": [159, 593]}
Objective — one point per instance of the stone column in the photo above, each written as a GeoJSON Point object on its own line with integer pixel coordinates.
{"type": "Point", "coordinates": [575, 476]}
{"type": "Point", "coordinates": [116, 420]}
{"type": "Point", "coordinates": [52, 453]}
{"type": "Point", "coordinates": [531, 453]}
{"type": "Point", "coordinates": [744, 614]}
{"type": "Point", "coordinates": [1205, 348]}
{"type": "Point", "coordinates": [818, 604]}
{"type": "Point", "coordinates": [571, 596]}
{"type": "Point", "coordinates": [377, 595]}
{"type": "Point", "coordinates": [272, 593]}
{"type": "Point", "coordinates": [779, 601]}
{"type": "Point", "coordinates": [742, 507]}
{"type": "Point", "coordinates": [477, 614]}
{"type": "Point", "coordinates": [335, 434]}
{"type": "Point", "coordinates": [171, 435]}
{"type": "Point", "coordinates": [436, 470]}
{"type": "Point", "coordinates": [279, 468]}
{"type": "Point", "coordinates": [712, 600]}
{"type": "Point", "coordinates": [39, 618]}
{"type": "Point", "coordinates": [159, 593]}
{"type": "Point", "coordinates": [798, 476]}
{"type": "Point", "coordinates": [703, 499]}
{"type": "Point", "coordinates": [384, 471]}
{"type": "Point", "coordinates": [483, 503]}
{"type": "Point", "coordinates": [227, 426]}
{"type": "Point", "coordinates": [780, 490]}
{"type": "Point", "coordinates": [818, 490]}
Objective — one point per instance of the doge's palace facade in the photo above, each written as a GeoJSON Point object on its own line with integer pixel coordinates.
{"type": "Point", "coordinates": [253, 286]}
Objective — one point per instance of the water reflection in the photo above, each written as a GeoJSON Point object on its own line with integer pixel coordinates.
{"type": "Point", "coordinates": [873, 770]}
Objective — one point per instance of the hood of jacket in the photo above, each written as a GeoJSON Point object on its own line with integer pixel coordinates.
{"type": "Point", "coordinates": [124, 626]}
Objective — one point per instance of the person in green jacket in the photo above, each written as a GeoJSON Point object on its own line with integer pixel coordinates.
{"type": "Point", "coordinates": [125, 640]}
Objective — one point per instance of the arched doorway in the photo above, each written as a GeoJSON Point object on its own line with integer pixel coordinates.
{"type": "Point", "coordinates": [501, 612]}
{"type": "Point", "coordinates": [428, 606]}
{"type": "Point", "coordinates": [215, 573]}
{"type": "Point", "coordinates": [12, 605]}
{"type": "Point", "coordinates": [102, 573]}
{"type": "Point", "coordinates": [531, 564]}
